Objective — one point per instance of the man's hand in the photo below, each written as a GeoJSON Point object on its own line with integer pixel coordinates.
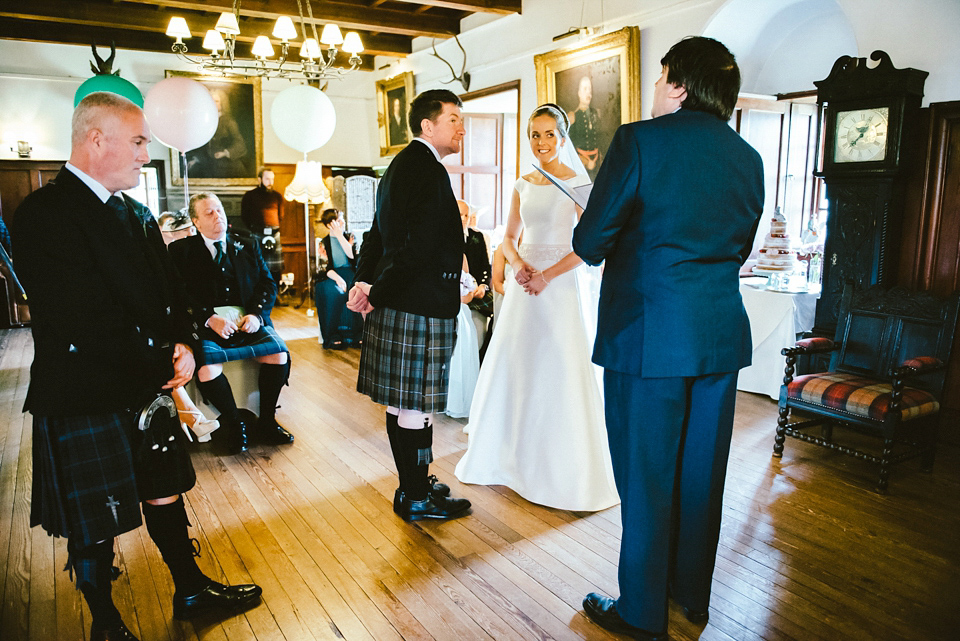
{"type": "Point", "coordinates": [222, 326]}
{"type": "Point", "coordinates": [183, 366]}
{"type": "Point", "coordinates": [358, 299]}
{"type": "Point", "coordinates": [249, 324]}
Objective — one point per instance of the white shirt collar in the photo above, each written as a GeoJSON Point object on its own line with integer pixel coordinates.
{"type": "Point", "coordinates": [430, 147]}
{"type": "Point", "coordinates": [210, 244]}
{"type": "Point", "coordinates": [102, 192]}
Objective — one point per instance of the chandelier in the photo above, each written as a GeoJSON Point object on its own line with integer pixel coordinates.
{"type": "Point", "coordinates": [314, 64]}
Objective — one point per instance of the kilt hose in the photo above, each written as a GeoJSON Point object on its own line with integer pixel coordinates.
{"type": "Point", "coordinates": [90, 473]}
{"type": "Point", "coordinates": [405, 360]}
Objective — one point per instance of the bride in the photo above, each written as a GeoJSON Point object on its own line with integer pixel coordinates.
{"type": "Point", "coordinates": [536, 421]}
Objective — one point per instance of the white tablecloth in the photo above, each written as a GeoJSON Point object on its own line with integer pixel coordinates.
{"type": "Point", "coordinates": [775, 320]}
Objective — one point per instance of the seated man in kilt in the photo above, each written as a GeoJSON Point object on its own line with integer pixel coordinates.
{"type": "Point", "coordinates": [230, 293]}
{"type": "Point", "coordinates": [111, 332]}
{"type": "Point", "coordinates": [408, 284]}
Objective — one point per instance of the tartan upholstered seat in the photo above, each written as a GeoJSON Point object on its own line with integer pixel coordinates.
{"type": "Point", "coordinates": [860, 396]}
{"type": "Point", "coordinates": [886, 376]}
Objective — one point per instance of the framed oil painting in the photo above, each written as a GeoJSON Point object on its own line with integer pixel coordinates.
{"type": "Point", "coordinates": [393, 100]}
{"type": "Point", "coordinates": [235, 152]}
{"type": "Point", "coordinates": [596, 84]}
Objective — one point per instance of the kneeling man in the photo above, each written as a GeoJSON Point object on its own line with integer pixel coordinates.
{"type": "Point", "coordinates": [230, 293]}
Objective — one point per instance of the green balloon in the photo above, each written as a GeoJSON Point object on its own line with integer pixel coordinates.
{"type": "Point", "coordinates": [113, 84]}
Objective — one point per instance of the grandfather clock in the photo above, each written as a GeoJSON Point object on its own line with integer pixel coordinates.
{"type": "Point", "coordinates": [867, 115]}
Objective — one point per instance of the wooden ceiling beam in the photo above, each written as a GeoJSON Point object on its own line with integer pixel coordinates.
{"type": "Point", "coordinates": [503, 7]}
{"type": "Point", "coordinates": [85, 35]}
{"type": "Point", "coordinates": [96, 14]}
{"type": "Point", "coordinates": [345, 16]}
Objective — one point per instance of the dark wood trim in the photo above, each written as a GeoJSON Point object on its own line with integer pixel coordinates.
{"type": "Point", "coordinates": [799, 96]}
{"type": "Point", "coordinates": [504, 7]}
{"type": "Point", "coordinates": [430, 24]}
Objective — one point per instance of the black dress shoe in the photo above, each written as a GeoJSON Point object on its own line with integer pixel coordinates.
{"type": "Point", "coordinates": [432, 507]}
{"type": "Point", "coordinates": [271, 433]}
{"type": "Point", "coordinates": [696, 617]}
{"type": "Point", "coordinates": [216, 596]}
{"type": "Point", "coordinates": [118, 632]}
{"type": "Point", "coordinates": [603, 611]}
{"type": "Point", "coordinates": [437, 488]}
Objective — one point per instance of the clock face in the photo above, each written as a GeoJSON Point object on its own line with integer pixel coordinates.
{"type": "Point", "coordinates": [861, 135]}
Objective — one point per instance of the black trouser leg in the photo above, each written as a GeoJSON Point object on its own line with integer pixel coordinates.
{"type": "Point", "coordinates": [415, 455]}
{"type": "Point", "coordinates": [94, 569]}
{"type": "Point", "coordinates": [218, 392]}
{"type": "Point", "coordinates": [271, 380]}
{"type": "Point", "coordinates": [167, 525]}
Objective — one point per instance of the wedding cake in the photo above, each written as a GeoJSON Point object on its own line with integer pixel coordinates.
{"type": "Point", "coordinates": [775, 255]}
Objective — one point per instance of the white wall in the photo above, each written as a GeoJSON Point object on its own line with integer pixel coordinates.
{"type": "Point", "coordinates": [37, 81]}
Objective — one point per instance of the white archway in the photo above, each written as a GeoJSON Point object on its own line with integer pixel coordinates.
{"type": "Point", "coordinates": [783, 46]}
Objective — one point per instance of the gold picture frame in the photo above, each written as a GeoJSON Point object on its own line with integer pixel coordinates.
{"type": "Point", "coordinates": [240, 135]}
{"type": "Point", "coordinates": [611, 63]}
{"type": "Point", "coordinates": [393, 103]}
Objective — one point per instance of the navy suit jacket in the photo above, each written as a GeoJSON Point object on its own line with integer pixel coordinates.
{"type": "Point", "coordinates": [413, 255]}
{"type": "Point", "coordinates": [673, 213]}
{"type": "Point", "coordinates": [256, 287]}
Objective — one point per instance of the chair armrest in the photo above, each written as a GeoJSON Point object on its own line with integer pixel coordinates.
{"type": "Point", "coordinates": [815, 345]}
{"type": "Point", "coordinates": [918, 365]}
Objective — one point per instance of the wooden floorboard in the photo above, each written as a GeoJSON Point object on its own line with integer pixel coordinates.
{"type": "Point", "coordinates": [807, 550]}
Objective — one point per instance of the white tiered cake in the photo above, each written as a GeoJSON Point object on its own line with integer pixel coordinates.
{"type": "Point", "coordinates": [775, 255]}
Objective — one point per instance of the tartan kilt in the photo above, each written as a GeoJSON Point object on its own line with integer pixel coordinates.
{"type": "Point", "coordinates": [213, 348]}
{"type": "Point", "coordinates": [90, 473]}
{"type": "Point", "coordinates": [405, 359]}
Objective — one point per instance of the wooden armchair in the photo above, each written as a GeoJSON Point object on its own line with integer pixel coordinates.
{"type": "Point", "coordinates": [886, 376]}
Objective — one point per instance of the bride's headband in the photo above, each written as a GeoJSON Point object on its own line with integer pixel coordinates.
{"type": "Point", "coordinates": [559, 115]}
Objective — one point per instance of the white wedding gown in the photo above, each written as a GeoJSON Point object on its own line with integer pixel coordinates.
{"type": "Point", "coordinates": [536, 421]}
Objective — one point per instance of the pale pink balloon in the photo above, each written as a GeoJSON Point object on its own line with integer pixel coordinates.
{"type": "Point", "coordinates": [181, 113]}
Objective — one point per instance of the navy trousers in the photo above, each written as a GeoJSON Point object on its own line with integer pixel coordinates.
{"type": "Point", "coordinates": [669, 439]}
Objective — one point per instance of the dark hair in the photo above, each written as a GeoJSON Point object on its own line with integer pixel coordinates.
{"type": "Point", "coordinates": [555, 112]}
{"type": "Point", "coordinates": [329, 215]}
{"type": "Point", "coordinates": [429, 105]}
{"type": "Point", "coordinates": [262, 170]}
{"type": "Point", "coordinates": [709, 73]}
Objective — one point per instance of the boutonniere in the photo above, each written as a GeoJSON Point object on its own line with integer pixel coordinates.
{"type": "Point", "coordinates": [237, 246]}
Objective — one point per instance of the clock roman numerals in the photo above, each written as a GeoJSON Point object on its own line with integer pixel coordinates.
{"type": "Point", "coordinates": [861, 135]}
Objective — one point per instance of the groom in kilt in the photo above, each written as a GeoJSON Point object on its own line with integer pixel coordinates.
{"type": "Point", "coordinates": [111, 335]}
{"type": "Point", "coordinates": [408, 286]}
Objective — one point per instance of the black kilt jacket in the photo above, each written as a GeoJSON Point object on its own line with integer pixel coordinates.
{"type": "Point", "coordinates": [106, 302]}
{"type": "Point", "coordinates": [413, 254]}
{"type": "Point", "coordinates": [257, 290]}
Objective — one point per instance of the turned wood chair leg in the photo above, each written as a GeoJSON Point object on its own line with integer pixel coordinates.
{"type": "Point", "coordinates": [885, 466]}
{"type": "Point", "coordinates": [781, 432]}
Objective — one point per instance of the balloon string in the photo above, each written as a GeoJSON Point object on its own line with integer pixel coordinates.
{"type": "Point", "coordinates": [186, 180]}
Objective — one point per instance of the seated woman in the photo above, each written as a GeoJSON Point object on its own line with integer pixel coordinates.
{"type": "Point", "coordinates": [339, 327]}
{"type": "Point", "coordinates": [175, 225]}
{"type": "Point", "coordinates": [231, 293]}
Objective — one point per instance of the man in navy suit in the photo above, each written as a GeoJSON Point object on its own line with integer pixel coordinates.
{"type": "Point", "coordinates": [673, 213]}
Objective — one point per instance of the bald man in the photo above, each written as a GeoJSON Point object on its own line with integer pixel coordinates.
{"type": "Point", "coordinates": [111, 336]}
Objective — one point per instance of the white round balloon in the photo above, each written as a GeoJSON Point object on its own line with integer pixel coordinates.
{"type": "Point", "coordinates": [303, 117]}
{"type": "Point", "coordinates": [181, 113]}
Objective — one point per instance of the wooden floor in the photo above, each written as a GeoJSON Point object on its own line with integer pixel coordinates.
{"type": "Point", "coordinates": [807, 550]}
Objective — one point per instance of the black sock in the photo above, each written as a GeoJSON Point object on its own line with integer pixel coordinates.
{"type": "Point", "coordinates": [167, 525]}
{"type": "Point", "coordinates": [218, 392]}
{"type": "Point", "coordinates": [416, 449]}
{"type": "Point", "coordinates": [393, 429]}
{"type": "Point", "coordinates": [94, 568]}
{"type": "Point", "coordinates": [272, 379]}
